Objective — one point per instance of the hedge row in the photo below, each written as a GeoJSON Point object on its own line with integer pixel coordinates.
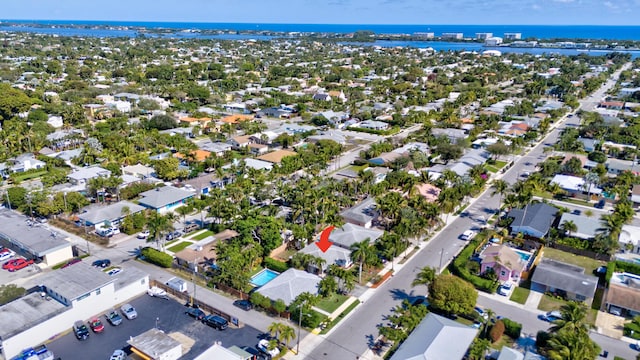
{"type": "Point", "coordinates": [512, 328]}
{"type": "Point", "coordinates": [459, 269]}
{"type": "Point", "coordinates": [276, 265]}
{"type": "Point", "coordinates": [157, 257]}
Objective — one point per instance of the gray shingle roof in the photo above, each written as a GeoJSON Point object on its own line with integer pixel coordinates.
{"type": "Point", "coordinates": [361, 213]}
{"type": "Point", "coordinates": [539, 217]}
{"type": "Point", "coordinates": [565, 277]}
{"type": "Point", "coordinates": [350, 234]}
{"type": "Point", "coordinates": [288, 285]}
{"type": "Point", "coordinates": [436, 338]}
{"type": "Point", "coordinates": [587, 227]}
{"type": "Point", "coordinates": [99, 214]}
{"type": "Point", "coordinates": [163, 196]}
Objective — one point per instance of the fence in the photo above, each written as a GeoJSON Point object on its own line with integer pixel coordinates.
{"type": "Point", "coordinates": [581, 252]}
{"type": "Point", "coordinates": [204, 306]}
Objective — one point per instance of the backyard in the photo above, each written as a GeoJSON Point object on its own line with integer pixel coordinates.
{"type": "Point", "coordinates": [179, 246]}
{"type": "Point", "coordinates": [202, 235]}
{"type": "Point", "coordinates": [331, 303]}
{"type": "Point", "coordinates": [588, 264]}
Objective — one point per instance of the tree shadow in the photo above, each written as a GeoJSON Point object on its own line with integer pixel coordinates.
{"type": "Point", "coordinates": [399, 294]}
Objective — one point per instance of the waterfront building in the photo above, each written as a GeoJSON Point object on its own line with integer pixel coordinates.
{"type": "Point", "coordinates": [484, 35]}
{"type": "Point", "coordinates": [512, 36]}
{"type": "Point", "coordinates": [493, 41]}
{"type": "Point", "coordinates": [456, 36]}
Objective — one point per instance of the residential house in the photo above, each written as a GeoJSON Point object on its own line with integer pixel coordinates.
{"type": "Point", "coordinates": [472, 158]}
{"type": "Point", "coordinates": [236, 119]}
{"type": "Point", "coordinates": [82, 176]}
{"type": "Point", "coordinates": [194, 155]}
{"type": "Point", "coordinates": [216, 148]}
{"type": "Point", "coordinates": [187, 132]}
{"type": "Point", "coordinates": [587, 228]}
{"type": "Point", "coordinates": [55, 121]}
{"type": "Point", "coordinates": [328, 135]}
{"type": "Point", "coordinates": [629, 238]}
{"type": "Point", "coordinates": [276, 157]}
{"type": "Point", "coordinates": [635, 195]}
{"type": "Point", "coordinates": [294, 129]}
{"type": "Point", "coordinates": [386, 158]}
{"type": "Point", "coordinates": [362, 214]}
{"type": "Point", "coordinates": [623, 294]}
{"type": "Point", "coordinates": [288, 285]}
{"type": "Point", "coordinates": [504, 261]}
{"type": "Point", "coordinates": [258, 164]}
{"type": "Point", "coordinates": [139, 170]}
{"type": "Point", "coordinates": [575, 185]}
{"type": "Point", "coordinates": [191, 121]}
{"type": "Point", "coordinates": [436, 338]}
{"type": "Point", "coordinates": [25, 162]}
{"type": "Point", "coordinates": [379, 173]}
{"type": "Point", "coordinates": [534, 220]}
{"type": "Point", "coordinates": [98, 215]}
{"type": "Point", "coordinates": [321, 97]}
{"type": "Point", "coordinates": [203, 252]}
{"type": "Point", "coordinates": [338, 95]}
{"type": "Point", "coordinates": [239, 142]}
{"type": "Point", "coordinates": [452, 134]}
{"type": "Point", "coordinates": [612, 105]}
{"type": "Point", "coordinates": [349, 234]}
{"type": "Point", "coordinates": [624, 92]}
{"type": "Point", "coordinates": [334, 255]}
{"type": "Point", "coordinates": [373, 125]}
{"type": "Point", "coordinates": [265, 137]}
{"type": "Point", "coordinates": [616, 166]}
{"type": "Point", "coordinates": [165, 199]}
{"type": "Point", "coordinates": [236, 108]}
{"type": "Point", "coordinates": [274, 112]}
{"type": "Point", "coordinates": [589, 145]}
{"type": "Point", "coordinates": [258, 149]}
{"type": "Point", "coordinates": [566, 280]}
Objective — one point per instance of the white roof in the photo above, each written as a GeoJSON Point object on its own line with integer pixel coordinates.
{"type": "Point", "coordinates": [288, 285]}
{"type": "Point", "coordinates": [630, 235]}
{"type": "Point", "coordinates": [574, 183]}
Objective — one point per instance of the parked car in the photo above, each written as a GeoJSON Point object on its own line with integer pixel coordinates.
{"type": "Point", "coordinates": [263, 346]}
{"type": "Point", "coordinates": [80, 330]}
{"type": "Point", "coordinates": [551, 316]}
{"type": "Point", "coordinates": [155, 291]}
{"type": "Point", "coordinates": [143, 234]}
{"type": "Point", "coordinates": [102, 263]}
{"type": "Point", "coordinates": [6, 254]}
{"type": "Point", "coordinates": [114, 271]}
{"type": "Point", "coordinates": [506, 288]}
{"type": "Point", "coordinates": [481, 312]}
{"type": "Point", "coordinates": [576, 212]}
{"type": "Point", "coordinates": [16, 264]}
{"type": "Point", "coordinates": [96, 325]}
{"type": "Point", "coordinates": [614, 310]}
{"type": "Point", "coordinates": [216, 322]}
{"type": "Point", "coordinates": [468, 235]}
{"type": "Point", "coordinates": [195, 313]}
{"type": "Point", "coordinates": [243, 304]}
{"type": "Point", "coordinates": [129, 311]}
{"type": "Point", "coordinates": [191, 227]}
{"type": "Point", "coordinates": [118, 355]}
{"type": "Point", "coordinates": [600, 204]}
{"type": "Point", "coordinates": [71, 262]}
{"type": "Point", "coordinates": [114, 318]}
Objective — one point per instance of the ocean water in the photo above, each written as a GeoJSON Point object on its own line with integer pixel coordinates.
{"type": "Point", "coordinates": [534, 31]}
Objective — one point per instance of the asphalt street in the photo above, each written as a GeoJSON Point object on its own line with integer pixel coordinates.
{"type": "Point", "coordinates": [354, 336]}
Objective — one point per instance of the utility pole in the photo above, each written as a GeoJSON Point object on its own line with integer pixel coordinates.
{"type": "Point", "coordinates": [440, 266]}
{"type": "Point", "coordinates": [195, 273]}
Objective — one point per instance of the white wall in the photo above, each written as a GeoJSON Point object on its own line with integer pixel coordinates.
{"type": "Point", "coordinates": [57, 256]}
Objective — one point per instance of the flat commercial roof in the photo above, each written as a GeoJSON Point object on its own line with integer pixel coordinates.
{"type": "Point", "coordinates": [25, 312]}
{"type": "Point", "coordinates": [75, 280]}
{"type": "Point", "coordinates": [31, 236]}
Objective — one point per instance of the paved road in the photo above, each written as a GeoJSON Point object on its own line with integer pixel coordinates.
{"type": "Point", "coordinates": [353, 337]}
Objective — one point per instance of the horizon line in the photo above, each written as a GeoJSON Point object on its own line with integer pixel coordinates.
{"type": "Point", "coordinates": [309, 23]}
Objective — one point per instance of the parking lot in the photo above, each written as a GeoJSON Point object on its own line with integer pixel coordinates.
{"type": "Point", "coordinates": [170, 317]}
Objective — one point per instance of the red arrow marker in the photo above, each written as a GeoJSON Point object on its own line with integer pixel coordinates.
{"type": "Point", "coordinates": [324, 244]}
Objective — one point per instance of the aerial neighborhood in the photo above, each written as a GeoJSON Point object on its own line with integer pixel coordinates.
{"type": "Point", "coordinates": [193, 198]}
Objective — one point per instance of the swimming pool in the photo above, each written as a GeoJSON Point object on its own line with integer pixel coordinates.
{"type": "Point", "coordinates": [524, 256]}
{"type": "Point", "coordinates": [263, 277]}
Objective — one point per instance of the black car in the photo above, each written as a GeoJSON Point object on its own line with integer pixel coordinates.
{"type": "Point", "coordinates": [216, 322]}
{"type": "Point", "coordinates": [114, 318]}
{"type": "Point", "coordinates": [600, 204]}
{"type": "Point", "coordinates": [102, 263]}
{"type": "Point", "coordinates": [195, 313]}
{"type": "Point", "coordinates": [80, 330]}
{"type": "Point", "coordinates": [243, 304]}
{"type": "Point", "coordinates": [576, 212]}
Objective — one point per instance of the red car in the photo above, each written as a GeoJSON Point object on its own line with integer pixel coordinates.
{"type": "Point", "coordinates": [16, 264]}
{"type": "Point", "coordinates": [96, 325]}
{"type": "Point", "coordinates": [71, 262]}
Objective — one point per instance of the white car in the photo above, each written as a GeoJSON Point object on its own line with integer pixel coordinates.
{"type": "Point", "coordinates": [263, 345]}
{"type": "Point", "coordinates": [118, 355]}
{"type": "Point", "coordinates": [114, 271]}
{"type": "Point", "coordinates": [129, 311]}
{"type": "Point", "coordinates": [468, 235]}
{"type": "Point", "coordinates": [506, 289]}
{"type": "Point", "coordinates": [143, 234]}
{"type": "Point", "coordinates": [6, 254]}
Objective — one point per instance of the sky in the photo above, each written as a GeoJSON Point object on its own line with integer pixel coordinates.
{"type": "Point", "coordinates": [435, 12]}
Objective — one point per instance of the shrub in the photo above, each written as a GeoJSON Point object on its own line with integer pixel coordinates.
{"type": "Point", "coordinates": [157, 257]}
{"type": "Point", "coordinates": [512, 328]}
{"type": "Point", "coordinates": [311, 319]}
{"type": "Point", "coordinates": [459, 268]}
{"type": "Point", "coordinates": [276, 265]}
{"type": "Point", "coordinates": [497, 330]}
{"type": "Point", "coordinates": [624, 266]}
{"type": "Point", "coordinates": [542, 337]}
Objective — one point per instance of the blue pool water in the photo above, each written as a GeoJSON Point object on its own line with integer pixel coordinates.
{"type": "Point", "coordinates": [263, 277]}
{"type": "Point", "coordinates": [524, 256]}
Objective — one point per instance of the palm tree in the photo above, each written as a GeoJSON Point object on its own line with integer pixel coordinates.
{"type": "Point", "coordinates": [426, 275]}
{"type": "Point", "coordinates": [184, 211]}
{"type": "Point", "coordinates": [275, 328]}
{"type": "Point", "coordinates": [361, 252]}
{"type": "Point", "coordinates": [157, 226]}
{"type": "Point", "coordinates": [569, 227]}
{"type": "Point", "coordinates": [590, 178]}
{"type": "Point", "coordinates": [287, 333]}
{"type": "Point", "coordinates": [573, 319]}
{"type": "Point", "coordinates": [501, 188]}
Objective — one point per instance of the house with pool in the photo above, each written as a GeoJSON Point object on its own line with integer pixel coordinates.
{"type": "Point", "coordinates": [507, 263]}
{"type": "Point", "coordinates": [165, 199]}
{"type": "Point", "coordinates": [286, 286]}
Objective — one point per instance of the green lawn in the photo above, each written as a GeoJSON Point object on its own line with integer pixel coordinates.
{"type": "Point", "coordinates": [520, 295]}
{"type": "Point", "coordinates": [179, 246]}
{"type": "Point", "coordinates": [330, 304]}
{"type": "Point", "coordinates": [588, 264]}
{"type": "Point", "coordinates": [203, 235]}
{"type": "Point", "coordinates": [548, 303]}
{"type": "Point", "coordinates": [495, 167]}
{"type": "Point", "coordinates": [28, 176]}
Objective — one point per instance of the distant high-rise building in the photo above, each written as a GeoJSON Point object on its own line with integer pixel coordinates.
{"type": "Point", "coordinates": [512, 36]}
{"type": "Point", "coordinates": [424, 35]}
{"type": "Point", "coordinates": [452, 35]}
{"type": "Point", "coordinates": [483, 36]}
